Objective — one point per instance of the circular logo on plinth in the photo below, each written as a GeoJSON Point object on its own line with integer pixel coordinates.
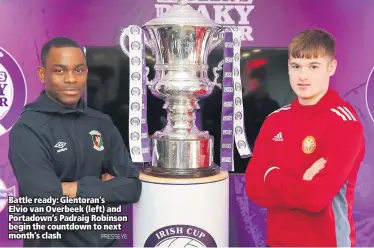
{"type": "Point", "coordinates": [180, 236]}
{"type": "Point", "coordinates": [12, 91]}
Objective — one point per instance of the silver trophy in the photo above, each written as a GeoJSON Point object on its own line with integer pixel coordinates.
{"type": "Point", "coordinates": [181, 41]}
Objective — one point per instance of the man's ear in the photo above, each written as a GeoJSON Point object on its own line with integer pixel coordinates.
{"type": "Point", "coordinates": [41, 74]}
{"type": "Point", "coordinates": [332, 67]}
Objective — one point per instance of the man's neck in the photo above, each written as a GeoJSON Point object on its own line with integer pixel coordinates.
{"type": "Point", "coordinates": [69, 106]}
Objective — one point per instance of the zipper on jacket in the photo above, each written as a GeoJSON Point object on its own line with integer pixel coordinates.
{"type": "Point", "coordinates": [79, 151]}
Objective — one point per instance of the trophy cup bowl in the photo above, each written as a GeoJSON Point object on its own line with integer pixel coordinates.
{"type": "Point", "coordinates": [181, 41]}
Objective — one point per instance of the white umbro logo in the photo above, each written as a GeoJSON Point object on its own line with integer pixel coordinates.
{"type": "Point", "coordinates": [278, 137]}
{"type": "Point", "coordinates": [60, 145]}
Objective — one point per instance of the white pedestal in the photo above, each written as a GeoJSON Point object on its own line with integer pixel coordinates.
{"type": "Point", "coordinates": [182, 212]}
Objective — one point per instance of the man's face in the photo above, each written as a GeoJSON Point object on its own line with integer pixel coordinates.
{"type": "Point", "coordinates": [310, 78]}
{"type": "Point", "coordinates": [65, 75]}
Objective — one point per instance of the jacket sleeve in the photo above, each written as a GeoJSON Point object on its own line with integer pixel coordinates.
{"type": "Point", "coordinates": [125, 187]}
{"type": "Point", "coordinates": [32, 166]}
{"type": "Point", "coordinates": [254, 176]}
{"type": "Point", "coordinates": [343, 151]}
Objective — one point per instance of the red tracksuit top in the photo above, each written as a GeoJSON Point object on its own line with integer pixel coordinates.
{"type": "Point", "coordinates": [316, 212]}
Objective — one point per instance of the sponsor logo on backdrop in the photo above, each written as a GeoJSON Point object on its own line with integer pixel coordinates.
{"type": "Point", "coordinates": [13, 91]}
{"type": "Point", "coordinates": [177, 236]}
{"type": "Point", "coordinates": [223, 12]}
{"type": "Point", "coordinates": [369, 94]}
{"type": "Point", "coordinates": [5, 193]}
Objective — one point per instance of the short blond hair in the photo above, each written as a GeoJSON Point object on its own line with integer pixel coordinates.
{"type": "Point", "coordinates": [312, 43]}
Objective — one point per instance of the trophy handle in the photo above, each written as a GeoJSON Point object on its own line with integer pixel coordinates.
{"type": "Point", "coordinates": [216, 75]}
{"type": "Point", "coordinates": [216, 41]}
{"type": "Point", "coordinates": [150, 44]}
{"type": "Point", "coordinates": [122, 43]}
{"type": "Point", "coordinates": [125, 33]}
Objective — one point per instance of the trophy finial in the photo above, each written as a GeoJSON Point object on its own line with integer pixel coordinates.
{"type": "Point", "coordinates": [182, 2]}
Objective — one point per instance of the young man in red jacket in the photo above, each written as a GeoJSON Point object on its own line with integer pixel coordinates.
{"type": "Point", "coordinates": [307, 155]}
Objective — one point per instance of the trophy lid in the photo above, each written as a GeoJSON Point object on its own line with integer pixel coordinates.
{"type": "Point", "coordinates": [182, 14]}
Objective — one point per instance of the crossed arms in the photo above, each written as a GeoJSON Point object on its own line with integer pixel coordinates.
{"type": "Point", "coordinates": [36, 175]}
{"type": "Point", "coordinates": [321, 182]}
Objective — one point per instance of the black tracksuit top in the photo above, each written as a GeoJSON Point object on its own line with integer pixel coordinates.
{"type": "Point", "coordinates": [50, 144]}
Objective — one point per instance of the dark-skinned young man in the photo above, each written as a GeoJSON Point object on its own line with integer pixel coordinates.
{"type": "Point", "coordinates": [60, 147]}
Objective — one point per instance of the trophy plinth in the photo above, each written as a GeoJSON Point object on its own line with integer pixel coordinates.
{"type": "Point", "coordinates": [181, 41]}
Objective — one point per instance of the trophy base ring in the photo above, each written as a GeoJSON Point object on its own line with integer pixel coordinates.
{"type": "Point", "coordinates": [181, 173]}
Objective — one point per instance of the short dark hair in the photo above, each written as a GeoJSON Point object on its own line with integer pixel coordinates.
{"type": "Point", "coordinates": [57, 42]}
